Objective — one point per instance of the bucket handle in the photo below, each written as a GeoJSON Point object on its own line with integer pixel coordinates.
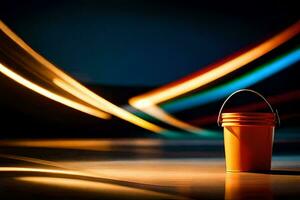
{"type": "Point", "coordinates": [248, 90]}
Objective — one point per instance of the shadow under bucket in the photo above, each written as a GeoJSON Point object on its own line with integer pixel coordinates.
{"type": "Point", "coordinates": [248, 138]}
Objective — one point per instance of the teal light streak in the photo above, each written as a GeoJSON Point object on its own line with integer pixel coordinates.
{"type": "Point", "coordinates": [244, 81]}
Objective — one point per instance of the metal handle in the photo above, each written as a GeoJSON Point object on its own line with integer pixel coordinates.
{"type": "Point", "coordinates": [248, 90]}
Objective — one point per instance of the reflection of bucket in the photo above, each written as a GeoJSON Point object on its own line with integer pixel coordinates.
{"type": "Point", "coordinates": [248, 138]}
{"type": "Point", "coordinates": [239, 186]}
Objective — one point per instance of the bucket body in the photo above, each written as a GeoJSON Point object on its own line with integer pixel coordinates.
{"type": "Point", "coordinates": [248, 141]}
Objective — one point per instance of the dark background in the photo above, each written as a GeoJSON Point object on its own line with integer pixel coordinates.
{"type": "Point", "coordinates": [124, 48]}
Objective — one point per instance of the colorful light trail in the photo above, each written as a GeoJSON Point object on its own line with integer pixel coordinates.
{"type": "Point", "coordinates": [47, 73]}
{"type": "Point", "coordinates": [244, 81]}
{"type": "Point", "coordinates": [180, 87]}
{"type": "Point", "coordinates": [148, 102]}
{"type": "Point", "coordinates": [72, 93]}
{"type": "Point", "coordinates": [40, 90]}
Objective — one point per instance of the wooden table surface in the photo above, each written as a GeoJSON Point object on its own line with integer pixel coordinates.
{"type": "Point", "coordinates": [135, 169]}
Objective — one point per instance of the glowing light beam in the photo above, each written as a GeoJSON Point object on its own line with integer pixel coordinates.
{"type": "Point", "coordinates": [102, 104]}
{"type": "Point", "coordinates": [148, 102]}
{"type": "Point", "coordinates": [40, 90]}
{"type": "Point", "coordinates": [54, 75]}
{"type": "Point", "coordinates": [180, 87]}
{"type": "Point", "coordinates": [244, 81]}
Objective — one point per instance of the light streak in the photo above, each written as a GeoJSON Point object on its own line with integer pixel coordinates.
{"type": "Point", "coordinates": [79, 173]}
{"type": "Point", "coordinates": [54, 75]}
{"type": "Point", "coordinates": [39, 161]}
{"type": "Point", "coordinates": [169, 119]}
{"type": "Point", "coordinates": [244, 81]}
{"type": "Point", "coordinates": [147, 102]}
{"type": "Point", "coordinates": [41, 170]}
{"type": "Point", "coordinates": [179, 88]}
{"type": "Point", "coordinates": [86, 144]}
{"type": "Point", "coordinates": [102, 104]}
{"type": "Point", "coordinates": [38, 89]}
{"type": "Point", "coordinates": [277, 99]}
{"type": "Point", "coordinates": [102, 189]}
{"type": "Point", "coordinates": [114, 188]}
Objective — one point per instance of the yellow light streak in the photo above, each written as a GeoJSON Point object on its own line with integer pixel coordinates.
{"type": "Point", "coordinates": [102, 189]}
{"type": "Point", "coordinates": [42, 170]}
{"type": "Point", "coordinates": [38, 89]}
{"type": "Point", "coordinates": [95, 183]}
{"type": "Point", "coordinates": [105, 105]}
{"type": "Point", "coordinates": [164, 94]}
{"type": "Point", "coordinates": [73, 87]}
{"type": "Point", "coordinates": [169, 119]}
{"type": "Point", "coordinates": [78, 143]}
{"type": "Point", "coordinates": [86, 144]}
{"type": "Point", "coordinates": [39, 161]}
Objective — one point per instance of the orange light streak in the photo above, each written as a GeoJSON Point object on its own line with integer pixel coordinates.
{"type": "Point", "coordinates": [181, 87]}
{"type": "Point", "coordinates": [102, 189]}
{"type": "Point", "coordinates": [106, 106]}
{"type": "Point", "coordinates": [90, 182]}
{"type": "Point", "coordinates": [38, 89]}
{"type": "Point", "coordinates": [277, 99]}
{"type": "Point", "coordinates": [73, 87]}
{"type": "Point", "coordinates": [42, 170]}
{"type": "Point", "coordinates": [169, 119]}
{"type": "Point", "coordinates": [148, 102]}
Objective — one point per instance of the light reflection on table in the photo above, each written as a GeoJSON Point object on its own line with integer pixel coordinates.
{"type": "Point", "coordinates": [76, 172]}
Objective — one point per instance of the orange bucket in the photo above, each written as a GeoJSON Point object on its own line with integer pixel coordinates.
{"type": "Point", "coordinates": [248, 138]}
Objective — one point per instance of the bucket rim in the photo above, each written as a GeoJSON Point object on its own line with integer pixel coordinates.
{"type": "Point", "coordinates": [234, 124]}
{"type": "Point", "coordinates": [249, 115]}
{"type": "Point", "coordinates": [248, 119]}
